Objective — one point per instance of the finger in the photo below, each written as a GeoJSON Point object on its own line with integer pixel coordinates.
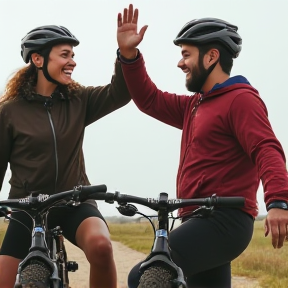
{"type": "Point", "coordinates": [267, 228]}
{"type": "Point", "coordinates": [135, 18]}
{"type": "Point", "coordinates": [275, 235]}
{"type": "Point", "coordinates": [142, 31]}
{"type": "Point", "coordinates": [282, 235]}
{"type": "Point", "coordinates": [119, 20]}
{"type": "Point", "coordinates": [130, 13]}
{"type": "Point", "coordinates": [125, 13]}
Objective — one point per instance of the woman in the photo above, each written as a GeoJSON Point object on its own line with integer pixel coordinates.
{"type": "Point", "coordinates": [43, 115]}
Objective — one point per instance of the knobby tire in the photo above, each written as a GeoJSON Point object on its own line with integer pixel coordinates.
{"type": "Point", "coordinates": [156, 277]}
{"type": "Point", "coordinates": [35, 275]}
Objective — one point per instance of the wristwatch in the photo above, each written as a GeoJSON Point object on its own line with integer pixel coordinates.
{"type": "Point", "coordinates": [278, 204]}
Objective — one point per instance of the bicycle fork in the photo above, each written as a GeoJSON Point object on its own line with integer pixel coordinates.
{"type": "Point", "coordinates": [37, 265]}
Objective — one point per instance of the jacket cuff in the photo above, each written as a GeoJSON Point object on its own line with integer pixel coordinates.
{"type": "Point", "coordinates": [125, 60]}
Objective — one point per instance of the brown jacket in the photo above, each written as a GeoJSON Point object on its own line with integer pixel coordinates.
{"type": "Point", "coordinates": [41, 137]}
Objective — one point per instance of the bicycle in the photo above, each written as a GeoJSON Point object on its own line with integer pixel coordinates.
{"type": "Point", "coordinates": [46, 265]}
{"type": "Point", "coordinates": [158, 264]}
{"type": "Point", "coordinates": [158, 270]}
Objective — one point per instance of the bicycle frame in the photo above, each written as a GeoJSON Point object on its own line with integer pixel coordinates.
{"type": "Point", "coordinates": [47, 246]}
{"type": "Point", "coordinates": [160, 250]}
{"type": "Point", "coordinates": [40, 250]}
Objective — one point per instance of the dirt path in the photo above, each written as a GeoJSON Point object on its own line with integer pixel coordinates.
{"type": "Point", "coordinates": [125, 259]}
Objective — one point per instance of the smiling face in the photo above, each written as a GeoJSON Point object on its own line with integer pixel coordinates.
{"type": "Point", "coordinates": [61, 63]}
{"type": "Point", "coordinates": [190, 64]}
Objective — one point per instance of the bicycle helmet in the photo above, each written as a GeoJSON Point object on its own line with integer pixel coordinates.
{"type": "Point", "coordinates": [207, 30]}
{"type": "Point", "coordinates": [43, 37]}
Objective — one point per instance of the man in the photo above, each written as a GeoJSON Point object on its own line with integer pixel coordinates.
{"type": "Point", "coordinates": [227, 146]}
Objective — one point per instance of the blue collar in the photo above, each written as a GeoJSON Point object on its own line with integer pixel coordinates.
{"type": "Point", "coordinates": [233, 80]}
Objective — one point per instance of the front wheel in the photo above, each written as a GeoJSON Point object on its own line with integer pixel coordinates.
{"type": "Point", "coordinates": [34, 275]}
{"type": "Point", "coordinates": [157, 277]}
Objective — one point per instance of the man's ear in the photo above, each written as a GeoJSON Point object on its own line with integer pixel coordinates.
{"type": "Point", "coordinates": [37, 59]}
{"type": "Point", "coordinates": [211, 57]}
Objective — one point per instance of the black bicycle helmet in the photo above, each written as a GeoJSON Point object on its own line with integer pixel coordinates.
{"type": "Point", "coordinates": [43, 37]}
{"type": "Point", "coordinates": [207, 30]}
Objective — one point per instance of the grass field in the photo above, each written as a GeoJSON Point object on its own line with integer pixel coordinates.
{"type": "Point", "coordinates": [260, 260]}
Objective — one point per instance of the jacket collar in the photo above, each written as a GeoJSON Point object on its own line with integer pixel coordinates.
{"type": "Point", "coordinates": [57, 95]}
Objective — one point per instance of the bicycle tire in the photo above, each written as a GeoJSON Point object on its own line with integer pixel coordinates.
{"type": "Point", "coordinates": [157, 276]}
{"type": "Point", "coordinates": [34, 275]}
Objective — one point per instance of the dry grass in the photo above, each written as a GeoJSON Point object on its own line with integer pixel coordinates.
{"type": "Point", "coordinates": [3, 226]}
{"type": "Point", "coordinates": [138, 236]}
{"type": "Point", "coordinates": [262, 261]}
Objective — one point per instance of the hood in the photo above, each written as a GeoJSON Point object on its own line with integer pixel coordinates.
{"type": "Point", "coordinates": [233, 83]}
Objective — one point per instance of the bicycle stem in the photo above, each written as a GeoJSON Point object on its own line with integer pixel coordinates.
{"type": "Point", "coordinates": [38, 237]}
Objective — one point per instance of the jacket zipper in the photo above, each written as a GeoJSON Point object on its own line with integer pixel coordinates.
{"type": "Point", "coordinates": [48, 105]}
{"type": "Point", "coordinates": [193, 112]}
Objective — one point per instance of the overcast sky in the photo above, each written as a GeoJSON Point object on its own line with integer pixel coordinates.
{"type": "Point", "coordinates": [128, 150]}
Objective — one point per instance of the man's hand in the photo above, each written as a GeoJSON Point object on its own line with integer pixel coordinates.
{"type": "Point", "coordinates": [276, 222]}
{"type": "Point", "coordinates": [127, 36]}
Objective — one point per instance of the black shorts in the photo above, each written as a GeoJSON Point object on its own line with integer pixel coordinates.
{"type": "Point", "coordinates": [17, 240]}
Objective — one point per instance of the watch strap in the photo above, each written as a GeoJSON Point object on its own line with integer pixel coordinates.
{"type": "Point", "coordinates": [278, 204]}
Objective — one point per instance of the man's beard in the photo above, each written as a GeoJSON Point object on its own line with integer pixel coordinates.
{"type": "Point", "coordinates": [197, 78]}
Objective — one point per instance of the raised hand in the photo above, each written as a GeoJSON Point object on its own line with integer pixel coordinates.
{"type": "Point", "coordinates": [127, 36]}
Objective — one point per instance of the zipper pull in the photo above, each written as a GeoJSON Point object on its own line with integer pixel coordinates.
{"type": "Point", "coordinates": [48, 104]}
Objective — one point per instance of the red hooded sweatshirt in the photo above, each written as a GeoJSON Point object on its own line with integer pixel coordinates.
{"type": "Point", "coordinates": [227, 143]}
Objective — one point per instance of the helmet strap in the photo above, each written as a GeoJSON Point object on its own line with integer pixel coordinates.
{"type": "Point", "coordinates": [45, 53]}
{"type": "Point", "coordinates": [207, 71]}
{"type": "Point", "coordinates": [211, 68]}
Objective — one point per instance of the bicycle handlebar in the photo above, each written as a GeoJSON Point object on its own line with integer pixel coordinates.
{"type": "Point", "coordinates": [98, 192]}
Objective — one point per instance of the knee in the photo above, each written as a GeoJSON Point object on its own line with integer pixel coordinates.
{"type": "Point", "coordinates": [8, 271]}
{"type": "Point", "coordinates": [98, 249]}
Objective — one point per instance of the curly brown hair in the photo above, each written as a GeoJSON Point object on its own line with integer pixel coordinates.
{"type": "Point", "coordinates": [24, 81]}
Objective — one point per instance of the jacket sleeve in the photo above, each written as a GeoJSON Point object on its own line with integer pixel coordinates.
{"type": "Point", "coordinates": [102, 100]}
{"type": "Point", "coordinates": [5, 144]}
{"type": "Point", "coordinates": [249, 118]}
{"type": "Point", "coordinates": [166, 107]}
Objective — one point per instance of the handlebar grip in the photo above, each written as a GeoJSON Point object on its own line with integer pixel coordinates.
{"type": "Point", "coordinates": [233, 202]}
{"type": "Point", "coordinates": [86, 191]}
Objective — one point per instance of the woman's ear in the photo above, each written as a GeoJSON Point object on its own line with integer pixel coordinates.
{"type": "Point", "coordinates": [37, 59]}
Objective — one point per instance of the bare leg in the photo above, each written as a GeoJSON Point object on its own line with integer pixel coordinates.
{"type": "Point", "coordinates": [8, 271]}
{"type": "Point", "coordinates": [92, 236]}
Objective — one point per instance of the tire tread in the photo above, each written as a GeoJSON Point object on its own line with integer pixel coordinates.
{"type": "Point", "coordinates": [156, 277]}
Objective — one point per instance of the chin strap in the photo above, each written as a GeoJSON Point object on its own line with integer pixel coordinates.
{"type": "Point", "coordinates": [211, 68]}
{"type": "Point", "coordinates": [45, 53]}
{"type": "Point", "coordinates": [207, 73]}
